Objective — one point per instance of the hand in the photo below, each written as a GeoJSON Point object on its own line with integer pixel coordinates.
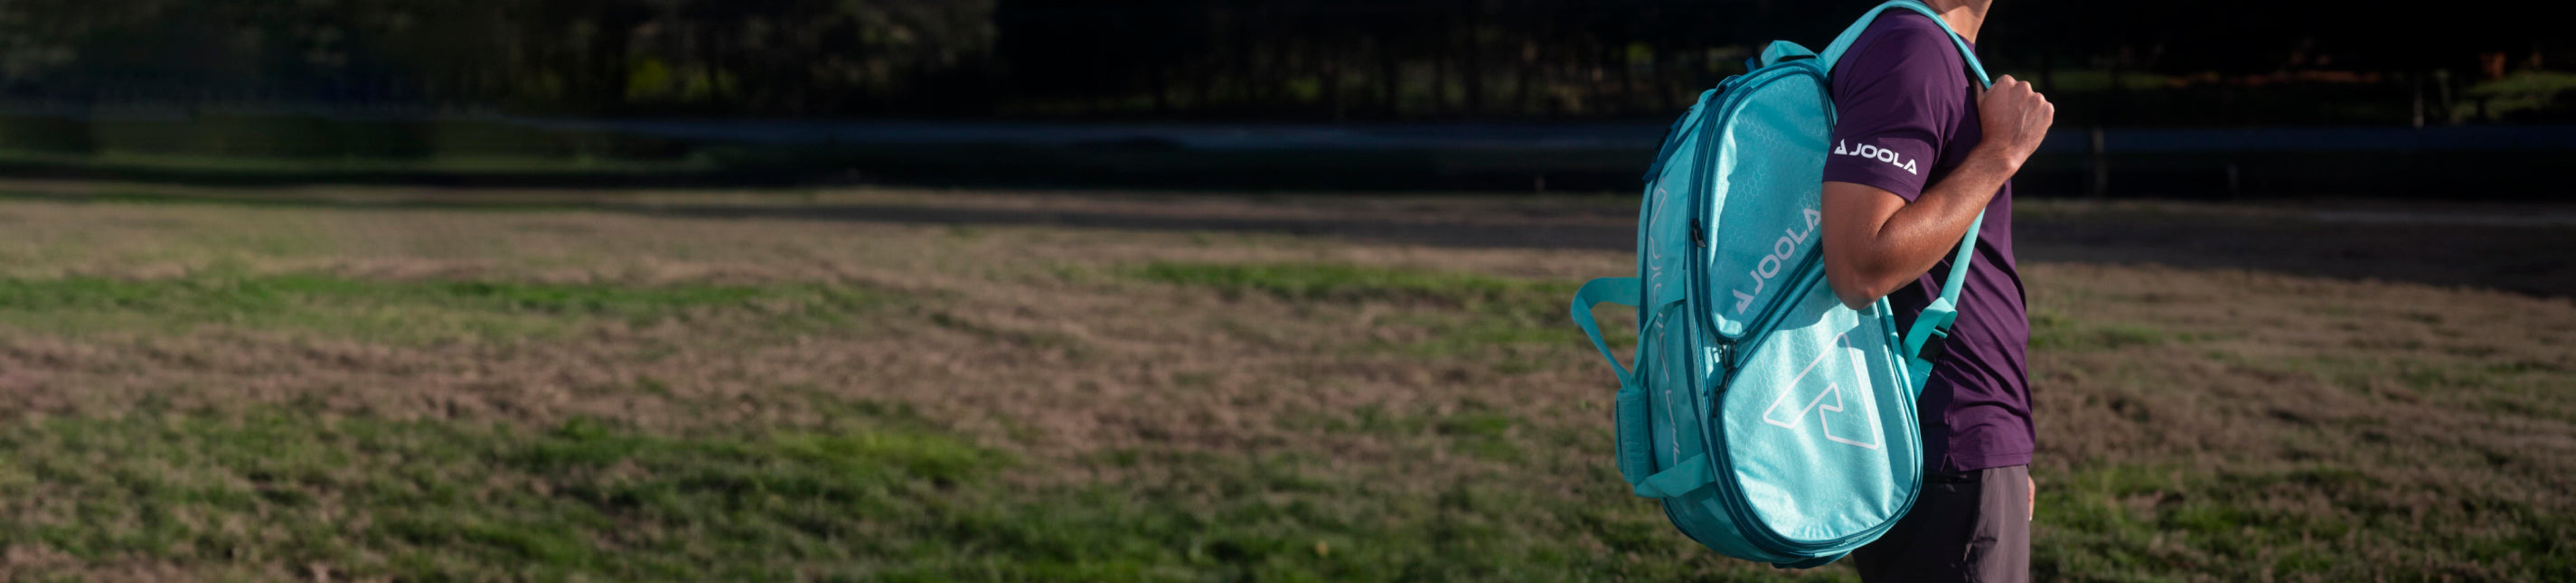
{"type": "Point", "coordinates": [2034, 499]}
{"type": "Point", "coordinates": [2015, 119]}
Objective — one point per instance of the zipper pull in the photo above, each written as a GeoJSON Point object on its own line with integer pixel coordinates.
{"type": "Point", "coordinates": [1725, 373]}
{"type": "Point", "coordinates": [1698, 239]}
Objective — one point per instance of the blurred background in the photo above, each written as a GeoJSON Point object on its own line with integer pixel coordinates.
{"type": "Point", "coordinates": [1195, 290]}
{"type": "Point", "coordinates": [2198, 99]}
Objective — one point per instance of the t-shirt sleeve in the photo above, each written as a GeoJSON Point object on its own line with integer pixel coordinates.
{"type": "Point", "coordinates": [1891, 100]}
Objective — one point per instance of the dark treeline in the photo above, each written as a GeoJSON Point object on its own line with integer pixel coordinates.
{"type": "Point", "coordinates": [2194, 61]}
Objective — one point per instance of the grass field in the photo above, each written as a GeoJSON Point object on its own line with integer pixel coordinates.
{"type": "Point", "coordinates": [300, 390]}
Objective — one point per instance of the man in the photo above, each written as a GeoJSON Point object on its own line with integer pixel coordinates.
{"type": "Point", "coordinates": [1889, 229]}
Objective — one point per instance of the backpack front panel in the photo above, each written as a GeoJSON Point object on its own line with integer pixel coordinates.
{"type": "Point", "coordinates": [1676, 381]}
{"type": "Point", "coordinates": [1768, 175]}
{"type": "Point", "coordinates": [1808, 412]}
{"type": "Point", "coordinates": [1819, 422]}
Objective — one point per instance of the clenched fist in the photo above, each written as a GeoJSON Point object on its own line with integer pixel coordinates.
{"type": "Point", "coordinates": [2015, 119]}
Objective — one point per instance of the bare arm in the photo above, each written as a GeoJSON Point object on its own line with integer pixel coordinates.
{"type": "Point", "coordinates": [1875, 241]}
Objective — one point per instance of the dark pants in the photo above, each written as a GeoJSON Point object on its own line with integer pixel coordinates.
{"type": "Point", "coordinates": [1966, 526]}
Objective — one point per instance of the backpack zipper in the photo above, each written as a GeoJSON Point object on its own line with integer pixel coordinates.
{"type": "Point", "coordinates": [1698, 277]}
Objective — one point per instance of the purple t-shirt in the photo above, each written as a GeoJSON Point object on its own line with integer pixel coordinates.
{"type": "Point", "coordinates": [1906, 116]}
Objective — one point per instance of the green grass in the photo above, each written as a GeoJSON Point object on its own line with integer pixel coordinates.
{"type": "Point", "coordinates": [876, 493]}
{"type": "Point", "coordinates": [1475, 429]}
{"type": "Point", "coordinates": [2516, 387]}
{"type": "Point", "coordinates": [869, 498]}
{"type": "Point", "coordinates": [1333, 421]}
{"type": "Point", "coordinates": [399, 310]}
{"type": "Point", "coordinates": [2318, 519]}
{"type": "Point", "coordinates": [2054, 331]}
{"type": "Point", "coordinates": [423, 500]}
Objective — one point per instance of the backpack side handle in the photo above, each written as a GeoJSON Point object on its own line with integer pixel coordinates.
{"type": "Point", "coordinates": [1625, 291]}
{"type": "Point", "coordinates": [1629, 418]}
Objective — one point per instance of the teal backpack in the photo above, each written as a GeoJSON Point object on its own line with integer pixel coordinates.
{"type": "Point", "coordinates": [1773, 423]}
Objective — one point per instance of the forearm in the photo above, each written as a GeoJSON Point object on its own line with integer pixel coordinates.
{"type": "Point", "coordinates": [1917, 235]}
{"type": "Point", "coordinates": [1922, 233]}
{"type": "Point", "coordinates": [1875, 241]}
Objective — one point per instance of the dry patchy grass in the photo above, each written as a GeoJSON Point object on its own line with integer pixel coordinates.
{"type": "Point", "coordinates": [214, 391]}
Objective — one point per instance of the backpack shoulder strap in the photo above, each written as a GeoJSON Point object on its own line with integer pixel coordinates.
{"type": "Point", "coordinates": [1936, 318]}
